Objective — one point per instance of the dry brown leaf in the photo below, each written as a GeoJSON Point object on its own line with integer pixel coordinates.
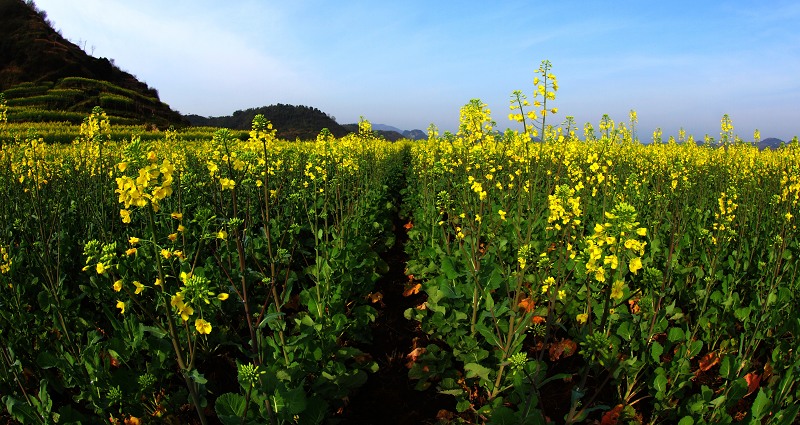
{"type": "Point", "coordinates": [375, 297]}
{"type": "Point", "coordinates": [753, 381]}
{"type": "Point", "coordinates": [612, 416]}
{"type": "Point", "coordinates": [565, 348]}
{"type": "Point", "coordinates": [411, 290]}
{"type": "Point", "coordinates": [708, 361]}
{"type": "Point", "coordinates": [415, 354]}
{"type": "Point", "coordinates": [527, 304]}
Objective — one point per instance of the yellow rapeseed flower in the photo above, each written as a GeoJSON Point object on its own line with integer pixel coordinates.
{"type": "Point", "coordinates": [617, 289]}
{"type": "Point", "coordinates": [139, 287]}
{"type": "Point", "coordinates": [133, 240]}
{"type": "Point", "coordinates": [118, 285]}
{"type": "Point", "coordinates": [177, 215]}
{"type": "Point", "coordinates": [121, 307]}
{"type": "Point", "coordinates": [222, 297]}
{"type": "Point", "coordinates": [635, 265]}
{"type": "Point", "coordinates": [202, 326]}
{"type": "Point", "coordinates": [227, 184]}
{"type": "Point", "coordinates": [101, 268]}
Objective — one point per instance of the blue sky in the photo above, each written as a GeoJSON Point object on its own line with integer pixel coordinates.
{"type": "Point", "coordinates": [412, 63]}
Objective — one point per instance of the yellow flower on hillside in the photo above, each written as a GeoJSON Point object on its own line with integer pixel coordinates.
{"type": "Point", "coordinates": [121, 307]}
{"type": "Point", "coordinates": [101, 268]}
{"type": "Point", "coordinates": [118, 285]}
{"type": "Point", "coordinates": [222, 297]}
{"type": "Point", "coordinates": [139, 287]}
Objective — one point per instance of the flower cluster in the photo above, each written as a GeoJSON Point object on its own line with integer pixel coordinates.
{"type": "Point", "coordinates": [5, 260]}
{"type": "Point", "coordinates": [153, 184]}
{"type": "Point", "coordinates": [614, 241]}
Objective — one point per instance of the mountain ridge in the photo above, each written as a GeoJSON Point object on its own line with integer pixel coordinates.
{"type": "Point", "coordinates": [35, 61]}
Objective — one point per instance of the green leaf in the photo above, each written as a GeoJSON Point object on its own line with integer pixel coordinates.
{"type": "Point", "coordinates": [675, 335]}
{"type": "Point", "coordinates": [295, 400]}
{"type": "Point", "coordinates": [726, 367]}
{"type": "Point", "coordinates": [625, 331]}
{"type": "Point", "coordinates": [269, 318]}
{"type": "Point", "coordinates": [656, 350]}
{"type": "Point", "coordinates": [761, 405]}
{"type": "Point", "coordinates": [686, 420]}
{"type": "Point", "coordinates": [788, 415]}
{"type": "Point", "coordinates": [197, 377]}
{"type": "Point", "coordinates": [46, 360]}
{"type": "Point", "coordinates": [475, 370]}
{"type": "Point", "coordinates": [20, 410]}
{"type": "Point", "coordinates": [316, 412]}
{"type": "Point", "coordinates": [230, 408]}
{"type": "Point", "coordinates": [44, 398]}
{"type": "Point", "coordinates": [660, 383]}
{"type": "Point", "coordinates": [742, 313]}
{"type": "Point", "coordinates": [502, 415]}
{"type": "Point", "coordinates": [737, 389]}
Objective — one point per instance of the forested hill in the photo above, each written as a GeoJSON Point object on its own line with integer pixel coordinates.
{"type": "Point", "coordinates": [290, 121]}
{"type": "Point", "coordinates": [46, 77]}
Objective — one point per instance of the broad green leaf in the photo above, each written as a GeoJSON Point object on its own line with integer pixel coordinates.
{"type": "Point", "coordinates": [675, 335]}
{"type": "Point", "coordinates": [655, 351]}
{"type": "Point", "coordinates": [660, 383]}
{"type": "Point", "coordinates": [625, 330]}
{"type": "Point", "coordinates": [230, 408]}
{"type": "Point", "coordinates": [761, 405]}
{"type": "Point", "coordinates": [475, 370]}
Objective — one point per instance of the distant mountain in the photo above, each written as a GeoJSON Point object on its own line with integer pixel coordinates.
{"type": "Point", "coordinates": [390, 135]}
{"type": "Point", "coordinates": [415, 134]}
{"type": "Point", "coordinates": [291, 122]}
{"type": "Point", "coordinates": [46, 77]}
{"type": "Point", "coordinates": [388, 132]}
{"type": "Point", "coordinates": [770, 142]}
{"type": "Point", "coordinates": [384, 127]}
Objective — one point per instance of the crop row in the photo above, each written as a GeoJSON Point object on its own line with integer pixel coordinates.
{"type": "Point", "coordinates": [223, 277]}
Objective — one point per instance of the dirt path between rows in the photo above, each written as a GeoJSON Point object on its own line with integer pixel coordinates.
{"type": "Point", "coordinates": [389, 396]}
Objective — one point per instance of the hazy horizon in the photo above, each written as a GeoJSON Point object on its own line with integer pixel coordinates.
{"type": "Point", "coordinates": [678, 64]}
